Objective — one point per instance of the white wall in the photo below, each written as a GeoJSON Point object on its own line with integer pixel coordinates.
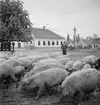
{"type": "Point", "coordinates": [35, 43]}
{"type": "Point", "coordinates": [24, 44]}
{"type": "Point", "coordinates": [46, 42]}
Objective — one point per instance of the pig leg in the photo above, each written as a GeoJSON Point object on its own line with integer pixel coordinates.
{"type": "Point", "coordinates": [81, 94]}
{"type": "Point", "coordinates": [61, 98]}
{"type": "Point", "coordinates": [15, 79]}
{"type": "Point", "coordinates": [77, 98]}
{"type": "Point", "coordinates": [7, 82]}
{"type": "Point", "coordinates": [41, 89]}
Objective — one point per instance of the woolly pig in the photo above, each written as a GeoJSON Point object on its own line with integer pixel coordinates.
{"type": "Point", "coordinates": [53, 55]}
{"type": "Point", "coordinates": [62, 56]}
{"type": "Point", "coordinates": [19, 71]}
{"type": "Point", "coordinates": [46, 60]}
{"type": "Point", "coordinates": [26, 63]}
{"type": "Point", "coordinates": [4, 56]}
{"type": "Point", "coordinates": [13, 62]}
{"type": "Point", "coordinates": [97, 64]}
{"type": "Point", "coordinates": [64, 60]}
{"type": "Point", "coordinates": [2, 60]}
{"type": "Point", "coordinates": [80, 83]}
{"type": "Point", "coordinates": [36, 58]}
{"type": "Point", "coordinates": [77, 65]}
{"type": "Point", "coordinates": [6, 71]}
{"type": "Point", "coordinates": [43, 80]}
{"type": "Point", "coordinates": [90, 60]}
{"type": "Point", "coordinates": [69, 66]}
{"type": "Point", "coordinates": [44, 66]}
{"type": "Point", "coordinates": [19, 54]}
{"type": "Point", "coordinates": [86, 66]}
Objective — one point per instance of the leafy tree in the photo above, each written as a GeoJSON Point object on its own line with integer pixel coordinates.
{"type": "Point", "coordinates": [78, 38]}
{"type": "Point", "coordinates": [15, 22]}
{"type": "Point", "coordinates": [95, 36]}
{"type": "Point", "coordinates": [68, 37]}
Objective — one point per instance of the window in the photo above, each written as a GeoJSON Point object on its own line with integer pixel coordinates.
{"type": "Point", "coordinates": [53, 43]}
{"type": "Point", "coordinates": [48, 42]}
{"type": "Point", "coordinates": [43, 42]}
{"type": "Point", "coordinates": [38, 42]}
{"type": "Point", "coordinates": [61, 42]}
{"type": "Point", "coordinates": [57, 43]}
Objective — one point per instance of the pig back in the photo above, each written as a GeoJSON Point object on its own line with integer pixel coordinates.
{"type": "Point", "coordinates": [53, 76]}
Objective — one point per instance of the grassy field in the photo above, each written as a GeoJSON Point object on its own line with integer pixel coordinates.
{"type": "Point", "coordinates": [13, 97]}
{"type": "Point", "coordinates": [75, 54]}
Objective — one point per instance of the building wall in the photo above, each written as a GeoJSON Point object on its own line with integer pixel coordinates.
{"type": "Point", "coordinates": [22, 44]}
{"type": "Point", "coordinates": [43, 43]}
{"type": "Point", "coordinates": [48, 42]}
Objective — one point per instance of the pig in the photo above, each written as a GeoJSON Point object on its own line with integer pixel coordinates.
{"type": "Point", "coordinates": [26, 63]}
{"type": "Point", "coordinates": [64, 60]}
{"type": "Point", "coordinates": [86, 66]}
{"type": "Point", "coordinates": [77, 65]}
{"type": "Point", "coordinates": [91, 59]}
{"type": "Point", "coordinates": [80, 83]}
{"type": "Point", "coordinates": [97, 64]}
{"type": "Point", "coordinates": [69, 66]}
{"type": "Point", "coordinates": [13, 62]}
{"type": "Point", "coordinates": [4, 56]}
{"type": "Point", "coordinates": [19, 72]}
{"type": "Point", "coordinates": [43, 80]}
{"type": "Point", "coordinates": [63, 56]}
{"type": "Point", "coordinates": [45, 66]}
{"type": "Point", "coordinates": [7, 73]}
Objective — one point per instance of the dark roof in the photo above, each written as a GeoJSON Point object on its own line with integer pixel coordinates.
{"type": "Point", "coordinates": [88, 41]}
{"type": "Point", "coordinates": [45, 34]}
{"type": "Point", "coordinates": [96, 41]}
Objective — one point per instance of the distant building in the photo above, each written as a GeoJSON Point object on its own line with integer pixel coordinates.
{"type": "Point", "coordinates": [46, 38]}
{"type": "Point", "coordinates": [96, 42]}
{"type": "Point", "coordinates": [89, 42]}
{"type": "Point", "coordinates": [76, 44]}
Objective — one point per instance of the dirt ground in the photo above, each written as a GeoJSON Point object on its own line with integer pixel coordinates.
{"type": "Point", "coordinates": [14, 97]}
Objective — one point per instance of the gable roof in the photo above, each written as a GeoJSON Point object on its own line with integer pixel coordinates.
{"type": "Point", "coordinates": [45, 34]}
{"type": "Point", "coordinates": [96, 41]}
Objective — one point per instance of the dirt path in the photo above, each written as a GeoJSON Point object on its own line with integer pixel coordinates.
{"type": "Point", "coordinates": [12, 97]}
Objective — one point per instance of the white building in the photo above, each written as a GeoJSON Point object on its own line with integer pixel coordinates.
{"type": "Point", "coordinates": [46, 38]}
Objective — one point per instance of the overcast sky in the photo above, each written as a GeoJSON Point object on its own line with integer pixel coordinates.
{"type": "Point", "coordinates": [61, 16]}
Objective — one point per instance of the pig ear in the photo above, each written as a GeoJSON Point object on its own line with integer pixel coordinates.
{"type": "Point", "coordinates": [66, 90]}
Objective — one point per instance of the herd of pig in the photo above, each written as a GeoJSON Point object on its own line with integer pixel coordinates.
{"type": "Point", "coordinates": [72, 78]}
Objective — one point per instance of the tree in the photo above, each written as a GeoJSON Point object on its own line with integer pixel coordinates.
{"type": "Point", "coordinates": [15, 22]}
{"type": "Point", "coordinates": [68, 37]}
{"type": "Point", "coordinates": [78, 38]}
{"type": "Point", "coordinates": [95, 36]}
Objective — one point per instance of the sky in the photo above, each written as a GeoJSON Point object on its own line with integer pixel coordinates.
{"type": "Point", "coordinates": [61, 16]}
